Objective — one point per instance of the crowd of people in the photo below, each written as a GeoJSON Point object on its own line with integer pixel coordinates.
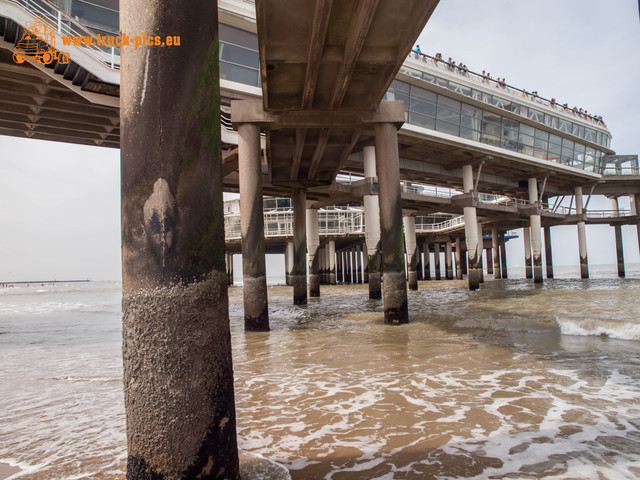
{"type": "Point", "coordinates": [461, 68]}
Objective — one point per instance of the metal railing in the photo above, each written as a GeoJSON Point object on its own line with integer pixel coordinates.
{"type": "Point", "coordinates": [423, 225]}
{"type": "Point", "coordinates": [607, 213]}
{"type": "Point", "coordinates": [65, 25]}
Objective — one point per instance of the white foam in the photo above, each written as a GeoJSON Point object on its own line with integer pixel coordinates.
{"type": "Point", "coordinates": [621, 330]}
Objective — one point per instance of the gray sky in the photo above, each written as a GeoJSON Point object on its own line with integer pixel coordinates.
{"type": "Point", "coordinates": [60, 204]}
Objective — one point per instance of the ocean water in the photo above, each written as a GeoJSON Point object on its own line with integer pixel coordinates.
{"type": "Point", "coordinates": [515, 381]}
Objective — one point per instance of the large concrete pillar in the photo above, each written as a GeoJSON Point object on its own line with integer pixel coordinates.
{"type": "Point", "coordinates": [618, 234]}
{"type": "Point", "coordinates": [412, 251]}
{"type": "Point", "coordinates": [471, 231]}
{"type": "Point", "coordinates": [178, 385]}
{"type": "Point", "coordinates": [526, 234]}
{"type": "Point", "coordinates": [254, 273]}
{"type": "Point", "coordinates": [299, 270]}
{"type": "Point", "coordinates": [427, 262]}
{"type": "Point", "coordinates": [332, 262]}
{"type": "Point", "coordinates": [582, 235]}
{"type": "Point", "coordinates": [419, 265]}
{"type": "Point", "coordinates": [288, 263]}
{"type": "Point", "coordinates": [372, 227]}
{"type": "Point", "coordinates": [388, 167]}
{"type": "Point", "coordinates": [503, 256]}
{"type": "Point", "coordinates": [548, 255]}
{"type": "Point", "coordinates": [436, 260]}
{"type": "Point", "coordinates": [536, 233]}
{"type": "Point", "coordinates": [489, 251]}
{"type": "Point", "coordinates": [480, 251]}
{"type": "Point", "coordinates": [459, 258]}
{"type": "Point", "coordinates": [448, 265]}
{"type": "Point", "coordinates": [495, 250]}
{"type": "Point", "coordinates": [314, 256]}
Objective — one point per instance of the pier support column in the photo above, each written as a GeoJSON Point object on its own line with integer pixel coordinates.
{"type": "Point", "coordinates": [254, 273]}
{"type": "Point", "coordinates": [634, 203]}
{"type": "Point", "coordinates": [582, 235]}
{"type": "Point", "coordinates": [480, 251]}
{"type": "Point", "coordinates": [313, 253]}
{"type": "Point", "coordinates": [347, 266]}
{"type": "Point", "coordinates": [339, 278]}
{"type": "Point", "coordinates": [229, 264]}
{"type": "Point", "coordinates": [178, 386]}
{"type": "Point", "coordinates": [471, 230]}
{"type": "Point", "coordinates": [365, 263]}
{"type": "Point", "coordinates": [388, 167]}
{"type": "Point", "coordinates": [618, 234]}
{"type": "Point", "coordinates": [548, 255]}
{"type": "Point", "coordinates": [412, 251]}
{"type": "Point", "coordinates": [448, 265]}
{"type": "Point", "coordinates": [459, 258]}
{"type": "Point", "coordinates": [427, 261]}
{"type": "Point", "coordinates": [358, 263]}
{"type": "Point", "coordinates": [526, 235]}
{"type": "Point", "coordinates": [372, 227]}
{"type": "Point", "coordinates": [495, 250]}
{"type": "Point", "coordinates": [503, 255]}
{"type": "Point", "coordinates": [536, 234]}
{"type": "Point", "coordinates": [489, 251]}
{"type": "Point", "coordinates": [436, 260]}
{"type": "Point", "coordinates": [419, 266]}
{"type": "Point", "coordinates": [288, 263]}
{"type": "Point", "coordinates": [299, 269]}
{"type": "Point", "coordinates": [332, 262]}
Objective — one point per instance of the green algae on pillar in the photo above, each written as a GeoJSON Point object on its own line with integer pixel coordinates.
{"type": "Point", "coordinates": [178, 375]}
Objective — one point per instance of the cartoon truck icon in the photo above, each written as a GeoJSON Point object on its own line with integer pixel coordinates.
{"type": "Point", "coordinates": [38, 43]}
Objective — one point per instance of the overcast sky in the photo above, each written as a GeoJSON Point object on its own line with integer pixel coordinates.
{"type": "Point", "coordinates": [60, 204]}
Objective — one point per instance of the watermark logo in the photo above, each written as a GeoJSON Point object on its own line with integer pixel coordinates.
{"type": "Point", "coordinates": [38, 42]}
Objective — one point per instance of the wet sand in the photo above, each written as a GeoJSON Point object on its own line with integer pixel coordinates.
{"type": "Point", "coordinates": [7, 470]}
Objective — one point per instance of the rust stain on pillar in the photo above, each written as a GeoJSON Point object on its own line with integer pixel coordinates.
{"type": "Point", "coordinates": [178, 376]}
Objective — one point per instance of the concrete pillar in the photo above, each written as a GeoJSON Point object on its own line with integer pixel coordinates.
{"type": "Point", "coordinates": [436, 260]}
{"type": "Point", "coordinates": [480, 251]}
{"type": "Point", "coordinates": [526, 234]}
{"type": "Point", "coordinates": [339, 268]}
{"type": "Point", "coordinates": [618, 234]}
{"type": "Point", "coordinates": [372, 227]}
{"type": "Point", "coordinates": [178, 386]}
{"type": "Point", "coordinates": [229, 265]}
{"type": "Point", "coordinates": [288, 262]}
{"type": "Point", "coordinates": [489, 251]}
{"type": "Point", "coordinates": [459, 258]}
{"type": "Point", "coordinates": [463, 261]}
{"type": "Point", "coordinates": [299, 270]}
{"type": "Point", "coordinates": [347, 266]}
{"type": "Point", "coordinates": [448, 260]}
{"type": "Point", "coordinates": [419, 266]}
{"type": "Point", "coordinates": [427, 262]}
{"type": "Point", "coordinates": [536, 233]}
{"type": "Point", "coordinates": [412, 251]}
{"type": "Point", "coordinates": [471, 230]}
{"type": "Point", "coordinates": [495, 250]}
{"type": "Point", "coordinates": [254, 272]}
{"type": "Point", "coordinates": [314, 256]}
{"type": "Point", "coordinates": [582, 236]}
{"type": "Point", "coordinates": [365, 263]}
{"type": "Point", "coordinates": [503, 255]}
{"type": "Point", "coordinates": [634, 203]}
{"type": "Point", "coordinates": [548, 256]}
{"type": "Point", "coordinates": [358, 263]}
{"type": "Point", "coordinates": [388, 167]}
{"type": "Point", "coordinates": [332, 262]}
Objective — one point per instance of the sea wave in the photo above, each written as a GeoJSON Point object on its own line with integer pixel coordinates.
{"type": "Point", "coordinates": [621, 330]}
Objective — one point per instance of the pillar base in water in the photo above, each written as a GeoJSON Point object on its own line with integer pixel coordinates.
{"type": "Point", "coordinates": [396, 310]}
{"type": "Point", "coordinates": [177, 355]}
{"type": "Point", "coordinates": [413, 280]}
{"type": "Point", "coordinates": [314, 286]}
{"type": "Point", "coordinates": [375, 285]}
{"type": "Point", "coordinates": [299, 289]}
{"type": "Point", "coordinates": [474, 279]}
{"type": "Point", "coordinates": [256, 306]}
